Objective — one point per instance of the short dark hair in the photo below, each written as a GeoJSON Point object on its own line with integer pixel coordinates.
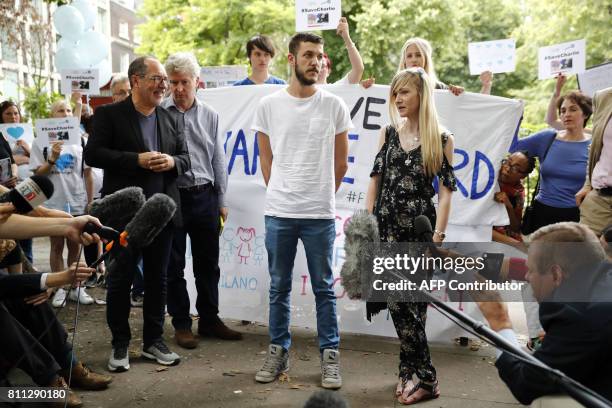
{"type": "Point", "coordinates": [297, 39]}
{"type": "Point", "coordinates": [7, 104]}
{"type": "Point", "coordinates": [584, 102]}
{"type": "Point", "coordinates": [262, 42]}
{"type": "Point", "coordinates": [326, 399]}
{"type": "Point", "coordinates": [138, 67]}
{"type": "Point", "coordinates": [531, 161]}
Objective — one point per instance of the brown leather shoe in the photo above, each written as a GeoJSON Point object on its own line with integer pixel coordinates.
{"type": "Point", "coordinates": [185, 339]}
{"type": "Point", "coordinates": [219, 330]}
{"type": "Point", "coordinates": [73, 400]}
{"type": "Point", "coordinates": [84, 378]}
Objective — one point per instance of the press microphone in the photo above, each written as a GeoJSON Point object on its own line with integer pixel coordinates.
{"type": "Point", "coordinates": [117, 209]}
{"type": "Point", "coordinates": [29, 194]}
{"type": "Point", "coordinates": [144, 227]}
{"type": "Point", "coordinates": [361, 232]}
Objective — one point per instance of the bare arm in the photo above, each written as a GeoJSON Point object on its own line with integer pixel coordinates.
{"type": "Point", "coordinates": [486, 79]}
{"type": "Point", "coordinates": [89, 184]}
{"type": "Point", "coordinates": [340, 157]}
{"type": "Point", "coordinates": [444, 193]}
{"type": "Point", "coordinates": [374, 184]}
{"type": "Point", "coordinates": [551, 114]}
{"type": "Point", "coordinates": [265, 156]}
{"type": "Point", "coordinates": [354, 75]}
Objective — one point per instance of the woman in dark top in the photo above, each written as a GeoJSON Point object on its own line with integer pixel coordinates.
{"type": "Point", "coordinates": [413, 151]}
{"type": "Point", "coordinates": [7, 113]}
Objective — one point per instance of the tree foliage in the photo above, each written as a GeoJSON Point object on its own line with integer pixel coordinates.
{"type": "Point", "coordinates": [217, 30]}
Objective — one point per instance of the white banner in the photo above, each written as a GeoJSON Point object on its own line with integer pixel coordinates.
{"type": "Point", "coordinates": [223, 75]}
{"type": "Point", "coordinates": [483, 127]}
{"type": "Point", "coordinates": [566, 58]}
{"type": "Point", "coordinates": [496, 56]}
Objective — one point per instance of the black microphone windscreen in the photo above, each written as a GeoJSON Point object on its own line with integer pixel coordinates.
{"type": "Point", "coordinates": [117, 209]}
{"type": "Point", "coordinates": [29, 194]}
{"type": "Point", "coordinates": [422, 226]}
{"type": "Point", "coordinates": [150, 220]}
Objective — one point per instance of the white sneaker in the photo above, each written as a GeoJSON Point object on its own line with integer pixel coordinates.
{"type": "Point", "coordinates": [84, 298]}
{"type": "Point", "coordinates": [59, 299]}
{"type": "Point", "coordinates": [330, 369]}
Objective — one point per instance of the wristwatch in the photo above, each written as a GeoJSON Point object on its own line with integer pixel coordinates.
{"type": "Point", "coordinates": [441, 234]}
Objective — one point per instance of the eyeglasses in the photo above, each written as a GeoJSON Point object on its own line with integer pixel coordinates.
{"type": "Point", "coordinates": [514, 168]}
{"type": "Point", "coordinates": [156, 78]}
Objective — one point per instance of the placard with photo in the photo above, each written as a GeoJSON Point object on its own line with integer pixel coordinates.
{"type": "Point", "coordinates": [85, 81]}
{"type": "Point", "coordinates": [311, 15]}
{"type": "Point", "coordinates": [566, 58]}
{"type": "Point", "coordinates": [53, 130]}
{"type": "Point", "coordinates": [5, 169]}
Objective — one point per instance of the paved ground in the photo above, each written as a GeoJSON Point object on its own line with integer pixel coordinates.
{"type": "Point", "coordinates": [220, 374]}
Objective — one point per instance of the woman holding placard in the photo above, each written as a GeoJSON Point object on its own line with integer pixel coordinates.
{"type": "Point", "coordinates": [412, 151]}
{"type": "Point", "coordinates": [64, 166]}
{"type": "Point", "coordinates": [9, 113]}
{"type": "Point", "coordinates": [417, 52]}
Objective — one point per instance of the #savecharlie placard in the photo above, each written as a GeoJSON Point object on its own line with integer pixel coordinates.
{"type": "Point", "coordinates": [85, 81]}
{"type": "Point", "coordinates": [53, 130]}
{"type": "Point", "coordinates": [566, 58]}
{"type": "Point", "coordinates": [13, 132]}
{"type": "Point", "coordinates": [311, 15]}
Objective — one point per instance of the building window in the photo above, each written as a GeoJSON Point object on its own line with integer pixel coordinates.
{"type": "Point", "coordinates": [124, 30]}
{"type": "Point", "coordinates": [9, 51]}
{"type": "Point", "coordinates": [102, 20]}
{"type": "Point", "coordinates": [10, 85]}
{"type": "Point", "coordinates": [124, 62]}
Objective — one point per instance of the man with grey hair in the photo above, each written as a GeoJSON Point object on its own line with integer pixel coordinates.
{"type": "Point", "coordinates": [572, 281]}
{"type": "Point", "coordinates": [120, 87]}
{"type": "Point", "coordinates": [202, 191]}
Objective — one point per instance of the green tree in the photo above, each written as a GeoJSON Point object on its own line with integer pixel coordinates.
{"type": "Point", "coordinates": [216, 30]}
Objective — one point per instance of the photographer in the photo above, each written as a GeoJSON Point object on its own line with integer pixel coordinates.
{"type": "Point", "coordinates": [575, 294]}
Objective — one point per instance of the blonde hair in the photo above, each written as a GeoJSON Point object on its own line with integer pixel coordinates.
{"type": "Point", "coordinates": [57, 105]}
{"type": "Point", "coordinates": [425, 49]}
{"type": "Point", "coordinates": [429, 128]}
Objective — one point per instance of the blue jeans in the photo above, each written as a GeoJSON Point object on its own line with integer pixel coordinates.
{"type": "Point", "coordinates": [318, 236]}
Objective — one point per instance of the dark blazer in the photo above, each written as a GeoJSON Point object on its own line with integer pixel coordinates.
{"type": "Point", "coordinates": [117, 141]}
{"type": "Point", "coordinates": [19, 286]}
{"type": "Point", "coordinates": [578, 342]}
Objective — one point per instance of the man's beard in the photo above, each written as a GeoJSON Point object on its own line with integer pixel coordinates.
{"type": "Point", "coordinates": [301, 77]}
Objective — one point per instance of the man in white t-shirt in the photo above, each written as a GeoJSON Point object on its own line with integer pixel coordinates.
{"type": "Point", "coordinates": [302, 134]}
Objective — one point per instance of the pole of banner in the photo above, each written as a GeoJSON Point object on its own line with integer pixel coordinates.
{"type": "Point", "coordinates": [574, 389]}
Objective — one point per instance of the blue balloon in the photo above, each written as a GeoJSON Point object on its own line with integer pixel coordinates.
{"type": "Point", "coordinates": [105, 72]}
{"type": "Point", "coordinates": [69, 22]}
{"type": "Point", "coordinates": [93, 47]}
{"type": "Point", "coordinates": [66, 43]}
{"type": "Point", "coordinates": [87, 10]}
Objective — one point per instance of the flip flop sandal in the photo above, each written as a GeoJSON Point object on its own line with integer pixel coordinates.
{"type": "Point", "coordinates": [433, 392]}
{"type": "Point", "coordinates": [399, 390]}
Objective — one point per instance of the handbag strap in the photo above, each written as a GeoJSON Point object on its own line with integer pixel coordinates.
{"type": "Point", "coordinates": [537, 187]}
{"type": "Point", "coordinates": [384, 168]}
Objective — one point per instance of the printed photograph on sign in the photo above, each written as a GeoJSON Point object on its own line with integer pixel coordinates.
{"type": "Point", "coordinates": [311, 15]}
{"type": "Point", "coordinates": [567, 58]}
{"type": "Point", "coordinates": [84, 81]}
{"type": "Point", "coordinates": [5, 169]}
{"type": "Point", "coordinates": [65, 130]}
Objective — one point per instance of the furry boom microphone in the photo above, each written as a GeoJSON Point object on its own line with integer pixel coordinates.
{"type": "Point", "coordinates": [117, 209]}
{"type": "Point", "coordinates": [361, 232]}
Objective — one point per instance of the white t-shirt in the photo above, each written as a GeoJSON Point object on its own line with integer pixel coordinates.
{"type": "Point", "coordinates": [67, 177]}
{"type": "Point", "coordinates": [302, 136]}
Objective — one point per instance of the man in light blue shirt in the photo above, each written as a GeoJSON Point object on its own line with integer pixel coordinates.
{"type": "Point", "coordinates": [202, 190]}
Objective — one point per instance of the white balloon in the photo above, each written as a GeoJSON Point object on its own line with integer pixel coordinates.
{"type": "Point", "coordinates": [105, 72]}
{"type": "Point", "coordinates": [93, 47]}
{"type": "Point", "coordinates": [68, 22]}
{"type": "Point", "coordinates": [66, 43]}
{"type": "Point", "coordinates": [87, 10]}
{"type": "Point", "coordinates": [68, 58]}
